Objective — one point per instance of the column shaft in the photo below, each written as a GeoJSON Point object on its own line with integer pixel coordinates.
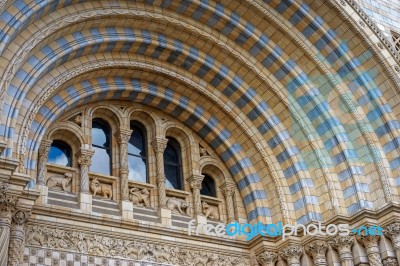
{"type": "Point", "coordinates": [228, 190]}
{"type": "Point", "coordinates": [84, 160]}
{"type": "Point", "coordinates": [195, 184]}
{"type": "Point", "coordinates": [42, 161]}
{"type": "Point", "coordinates": [123, 138]}
{"type": "Point", "coordinates": [17, 238]}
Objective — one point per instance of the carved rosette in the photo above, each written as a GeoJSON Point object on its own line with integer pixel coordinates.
{"type": "Point", "coordinates": [17, 237]}
{"type": "Point", "coordinates": [84, 158]}
{"type": "Point", "coordinates": [43, 153]}
{"type": "Point", "coordinates": [393, 231]}
{"type": "Point", "coordinates": [343, 245]}
{"type": "Point", "coordinates": [228, 190]}
{"type": "Point", "coordinates": [317, 249]}
{"type": "Point", "coordinates": [195, 184]}
{"type": "Point", "coordinates": [123, 137]}
{"type": "Point", "coordinates": [292, 254]}
{"type": "Point", "coordinates": [371, 245]}
{"type": "Point", "coordinates": [267, 258]}
{"type": "Point", "coordinates": [159, 144]}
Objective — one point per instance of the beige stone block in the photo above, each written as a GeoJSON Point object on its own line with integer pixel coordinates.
{"type": "Point", "coordinates": [42, 199]}
{"type": "Point", "coordinates": [85, 202]}
{"type": "Point", "coordinates": [165, 215]}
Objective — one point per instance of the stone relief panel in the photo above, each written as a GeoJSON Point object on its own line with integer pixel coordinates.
{"type": "Point", "coordinates": [139, 197]}
{"type": "Point", "coordinates": [209, 211]}
{"type": "Point", "coordinates": [60, 182]}
{"type": "Point", "coordinates": [177, 205]}
{"type": "Point", "coordinates": [100, 189]}
{"type": "Point", "coordinates": [52, 240]}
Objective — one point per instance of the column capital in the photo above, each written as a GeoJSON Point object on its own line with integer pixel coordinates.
{"type": "Point", "coordinates": [368, 241]}
{"type": "Point", "coordinates": [123, 135]}
{"type": "Point", "coordinates": [44, 147]}
{"type": "Point", "coordinates": [267, 258]}
{"type": "Point", "coordinates": [84, 156]}
{"type": "Point", "coordinates": [195, 181]}
{"type": "Point", "coordinates": [342, 243]}
{"type": "Point", "coordinates": [291, 254]}
{"type": "Point", "coordinates": [8, 203]}
{"type": "Point", "coordinates": [159, 144]}
{"type": "Point", "coordinates": [317, 249]}
{"type": "Point", "coordinates": [228, 188]}
{"type": "Point", "coordinates": [390, 262]}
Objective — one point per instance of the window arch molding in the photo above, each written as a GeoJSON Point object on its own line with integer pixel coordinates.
{"type": "Point", "coordinates": [110, 114]}
{"type": "Point", "coordinates": [147, 120]}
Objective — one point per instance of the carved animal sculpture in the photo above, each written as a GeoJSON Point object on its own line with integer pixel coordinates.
{"type": "Point", "coordinates": [101, 189]}
{"type": "Point", "coordinates": [139, 197]}
{"type": "Point", "coordinates": [209, 211]}
{"type": "Point", "coordinates": [58, 181]}
{"type": "Point", "coordinates": [175, 204]}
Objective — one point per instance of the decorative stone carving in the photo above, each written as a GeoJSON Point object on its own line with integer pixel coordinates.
{"type": "Point", "coordinates": [123, 137]}
{"type": "Point", "coordinates": [177, 205]}
{"type": "Point", "coordinates": [393, 231]}
{"type": "Point", "coordinates": [267, 258]}
{"type": "Point", "coordinates": [343, 245]}
{"type": "Point", "coordinates": [97, 245]}
{"type": "Point", "coordinates": [371, 245]}
{"type": "Point", "coordinates": [317, 249]}
{"type": "Point", "coordinates": [78, 119]}
{"type": "Point", "coordinates": [203, 151]}
{"type": "Point", "coordinates": [390, 262]}
{"type": "Point", "coordinates": [139, 197]}
{"type": "Point", "coordinates": [292, 254]}
{"type": "Point", "coordinates": [210, 211]}
{"type": "Point", "coordinates": [60, 182]}
{"type": "Point", "coordinates": [101, 189]}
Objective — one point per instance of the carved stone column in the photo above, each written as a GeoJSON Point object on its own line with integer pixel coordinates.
{"type": "Point", "coordinates": [371, 245]}
{"type": "Point", "coordinates": [17, 238]}
{"type": "Point", "coordinates": [159, 144]}
{"type": "Point", "coordinates": [195, 184]}
{"type": "Point", "coordinates": [43, 153]}
{"type": "Point", "coordinates": [343, 245]}
{"type": "Point", "coordinates": [317, 249]}
{"type": "Point", "coordinates": [123, 137]}
{"type": "Point", "coordinates": [393, 231]}
{"type": "Point", "coordinates": [228, 190]}
{"type": "Point", "coordinates": [8, 203]}
{"type": "Point", "coordinates": [84, 157]}
{"type": "Point", "coordinates": [292, 254]}
{"type": "Point", "coordinates": [267, 258]}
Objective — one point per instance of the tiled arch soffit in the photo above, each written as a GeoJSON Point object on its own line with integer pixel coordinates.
{"type": "Point", "coordinates": [265, 86]}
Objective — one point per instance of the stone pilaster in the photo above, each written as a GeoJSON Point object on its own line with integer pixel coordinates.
{"type": "Point", "coordinates": [317, 249]}
{"type": "Point", "coordinates": [8, 203]}
{"type": "Point", "coordinates": [393, 231]}
{"type": "Point", "coordinates": [343, 245]}
{"type": "Point", "coordinates": [195, 184]}
{"type": "Point", "coordinates": [371, 244]}
{"type": "Point", "coordinates": [123, 137]}
{"type": "Point", "coordinates": [228, 190]}
{"type": "Point", "coordinates": [267, 258]}
{"type": "Point", "coordinates": [84, 158]}
{"type": "Point", "coordinates": [17, 238]}
{"type": "Point", "coordinates": [292, 254]}
{"type": "Point", "coordinates": [159, 144]}
{"type": "Point", "coordinates": [43, 153]}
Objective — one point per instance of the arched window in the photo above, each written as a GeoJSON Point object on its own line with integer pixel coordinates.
{"type": "Point", "coordinates": [60, 153]}
{"type": "Point", "coordinates": [173, 165]}
{"type": "Point", "coordinates": [101, 143]}
{"type": "Point", "coordinates": [208, 187]}
{"type": "Point", "coordinates": [137, 157]}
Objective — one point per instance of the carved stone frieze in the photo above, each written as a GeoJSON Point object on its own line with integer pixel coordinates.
{"type": "Point", "coordinates": [139, 197]}
{"type": "Point", "coordinates": [97, 245]}
{"type": "Point", "coordinates": [60, 182]}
